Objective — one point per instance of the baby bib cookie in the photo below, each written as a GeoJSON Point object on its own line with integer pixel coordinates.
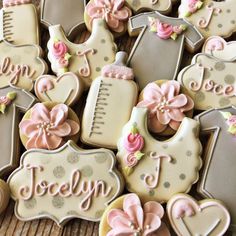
{"type": "Point", "coordinates": [158, 34]}
{"type": "Point", "coordinates": [218, 47]}
{"type": "Point", "coordinates": [127, 215]}
{"type": "Point", "coordinates": [156, 170]}
{"type": "Point", "coordinates": [48, 125]}
{"type": "Point", "coordinates": [69, 14]}
{"type": "Point", "coordinates": [4, 195]}
{"type": "Point", "coordinates": [210, 82]}
{"type": "Point", "coordinates": [189, 217]}
{"type": "Point", "coordinates": [211, 17]}
{"type": "Point", "coordinates": [109, 104]}
{"type": "Point", "coordinates": [64, 184]}
{"type": "Point", "coordinates": [85, 60]}
{"type": "Point", "coordinates": [19, 16]}
{"type": "Point", "coordinates": [218, 176]}
{"type": "Point", "coordinates": [20, 66]}
{"type": "Point", "coordinates": [167, 106]}
{"type": "Point", "coordinates": [66, 88]}
{"type": "Point", "coordinates": [13, 101]}
{"type": "Point", "coordinates": [114, 12]}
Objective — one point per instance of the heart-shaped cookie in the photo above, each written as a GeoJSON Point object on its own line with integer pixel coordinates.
{"type": "Point", "coordinates": [189, 217]}
{"type": "Point", "coordinates": [66, 89]}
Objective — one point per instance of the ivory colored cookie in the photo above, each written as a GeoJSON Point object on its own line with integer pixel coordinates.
{"type": "Point", "coordinates": [48, 125]}
{"type": "Point", "coordinates": [156, 170]}
{"type": "Point", "coordinates": [67, 88]}
{"type": "Point", "coordinates": [4, 195]}
{"type": "Point", "coordinates": [86, 59]}
{"type": "Point", "coordinates": [218, 47]}
{"type": "Point", "coordinates": [13, 101]}
{"type": "Point", "coordinates": [167, 106]}
{"type": "Point", "coordinates": [69, 14]}
{"type": "Point", "coordinates": [212, 18]}
{"type": "Point", "coordinates": [110, 101]}
{"type": "Point", "coordinates": [64, 184]}
{"type": "Point", "coordinates": [189, 217]}
{"type": "Point", "coordinates": [20, 66]}
{"type": "Point", "coordinates": [210, 82]}
{"type": "Point", "coordinates": [126, 214]}
{"type": "Point", "coordinates": [19, 22]}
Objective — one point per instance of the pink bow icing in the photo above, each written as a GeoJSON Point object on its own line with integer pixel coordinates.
{"type": "Point", "coordinates": [166, 105]}
{"type": "Point", "coordinates": [135, 220]}
{"type": "Point", "coordinates": [46, 129]}
{"type": "Point", "coordinates": [115, 13]}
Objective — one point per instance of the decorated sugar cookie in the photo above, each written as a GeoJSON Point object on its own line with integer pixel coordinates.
{"type": "Point", "coordinates": [210, 82]}
{"type": "Point", "coordinates": [65, 184]}
{"type": "Point", "coordinates": [110, 101]}
{"type": "Point", "coordinates": [13, 101]}
{"type": "Point", "coordinates": [127, 214]}
{"type": "Point", "coordinates": [218, 47]}
{"type": "Point", "coordinates": [67, 88]}
{"type": "Point", "coordinates": [17, 17]}
{"type": "Point", "coordinates": [157, 35]}
{"type": "Point", "coordinates": [156, 170]}
{"type": "Point", "coordinates": [48, 126]}
{"type": "Point", "coordinates": [211, 17]}
{"type": "Point", "coordinates": [85, 60]}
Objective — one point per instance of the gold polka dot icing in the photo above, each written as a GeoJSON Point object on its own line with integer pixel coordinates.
{"type": "Point", "coordinates": [65, 187]}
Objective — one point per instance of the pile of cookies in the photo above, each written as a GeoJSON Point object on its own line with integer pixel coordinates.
{"type": "Point", "coordinates": [149, 130]}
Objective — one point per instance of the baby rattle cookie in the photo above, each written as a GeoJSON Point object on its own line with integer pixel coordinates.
{"type": "Point", "coordinates": [211, 17]}
{"type": "Point", "coordinates": [127, 215]}
{"type": "Point", "coordinates": [109, 104]}
{"type": "Point", "coordinates": [64, 184]}
{"type": "Point", "coordinates": [156, 170]}
{"type": "Point", "coordinates": [210, 82]}
{"type": "Point", "coordinates": [159, 34]}
{"type": "Point", "coordinates": [48, 125]}
{"type": "Point", "coordinates": [218, 47]}
{"type": "Point", "coordinates": [167, 106]}
{"type": "Point", "coordinates": [69, 14]}
{"type": "Point", "coordinates": [66, 88]}
{"type": "Point", "coordinates": [85, 60]}
{"type": "Point", "coordinates": [4, 195]}
{"type": "Point", "coordinates": [191, 217]}
{"type": "Point", "coordinates": [18, 16]}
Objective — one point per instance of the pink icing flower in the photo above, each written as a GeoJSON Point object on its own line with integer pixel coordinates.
{"type": "Point", "coordinates": [134, 142]}
{"type": "Point", "coordinates": [232, 120]}
{"type": "Point", "coordinates": [46, 129]}
{"type": "Point", "coordinates": [45, 84]}
{"type": "Point", "coordinates": [5, 100]}
{"type": "Point", "coordinates": [164, 30]}
{"type": "Point", "coordinates": [131, 160]}
{"type": "Point", "coordinates": [166, 105]}
{"type": "Point", "coordinates": [192, 5]}
{"type": "Point", "coordinates": [114, 12]}
{"type": "Point", "coordinates": [135, 220]}
{"type": "Point", "coordinates": [63, 63]}
{"type": "Point", "coordinates": [215, 45]}
{"type": "Point", "coordinates": [59, 49]}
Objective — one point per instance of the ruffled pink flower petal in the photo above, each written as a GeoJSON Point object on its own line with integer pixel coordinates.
{"type": "Point", "coordinates": [74, 127]}
{"type": "Point", "coordinates": [174, 124]}
{"type": "Point", "coordinates": [40, 113]}
{"type": "Point", "coordinates": [94, 11]}
{"type": "Point", "coordinates": [154, 207]}
{"type": "Point", "coordinates": [170, 89]}
{"type": "Point", "coordinates": [123, 14]}
{"type": "Point", "coordinates": [58, 114]}
{"type": "Point", "coordinates": [49, 142]}
{"type": "Point", "coordinates": [121, 223]}
{"type": "Point", "coordinates": [155, 126]}
{"type": "Point", "coordinates": [131, 199]}
{"type": "Point", "coordinates": [151, 106]}
{"type": "Point", "coordinates": [153, 221]}
{"type": "Point", "coordinates": [114, 213]}
{"type": "Point", "coordinates": [98, 3]}
{"type": "Point", "coordinates": [112, 22]}
{"type": "Point", "coordinates": [176, 115]}
{"type": "Point", "coordinates": [163, 117]}
{"type": "Point", "coordinates": [28, 128]}
{"type": "Point", "coordinates": [177, 101]}
{"type": "Point", "coordinates": [189, 106]}
{"type": "Point", "coordinates": [62, 130]}
{"type": "Point", "coordinates": [117, 4]}
{"type": "Point", "coordinates": [152, 92]}
{"type": "Point", "coordinates": [135, 213]}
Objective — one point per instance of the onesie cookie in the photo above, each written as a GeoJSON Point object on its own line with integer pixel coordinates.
{"type": "Point", "coordinates": [127, 215]}
{"type": "Point", "coordinates": [20, 66]}
{"type": "Point", "coordinates": [218, 176]}
{"type": "Point", "coordinates": [13, 101]}
{"type": "Point", "coordinates": [17, 17]}
{"type": "Point", "coordinates": [210, 82]}
{"type": "Point", "coordinates": [158, 35]}
{"type": "Point", "coordinates": [218, 47]}
{"type": "Point", "coordinates": [85, 60]}
{"type": "Point", "coordinates": [211, 17]}
{"type": "Point", "coordinates": [64, 184]}
{"type": "Point", "coordinates": [69, 14]}
{"type": "Point", "coordinates": [189, 217]}
{"type": "Point", "coordinates": [167, 106]}
{"type": "Point", "coordinates": [4, 195]}
{"type": "Point", "coordinates": [114, 12]}
{"type": "Point", "coordinates": [48, 125]}
{"type": "Point", "coordinates": [109, 104]}
{"type": "Point", "coordinates": [156, 170]}
{"type": "Point", "coordinates": [66, 88]}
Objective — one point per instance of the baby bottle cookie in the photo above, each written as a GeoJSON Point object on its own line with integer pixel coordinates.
{"type": "Point", "coordinates": [110, 101]}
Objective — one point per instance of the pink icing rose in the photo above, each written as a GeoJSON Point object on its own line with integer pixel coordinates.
{"type": "Point", "coordinates": [63, 63]}
{"type": "Point", "coordinates": [59, 49]}
{"type": "Point", "coordinates": [45, 129]}
{"type": "Point", "coordinates": [131, 160]}
{"type": "Point", "coordinates": [232, 120]}
{"type": "Point", "coordinates": [134, 143]}
{"type": "Point", "coordinates": [192, 5]}
{"type": "Point", "coordinates": [134, 219]}
{"type": "Point", "coordinates": [164, 30]}
{"type": "Point", "coordinates": [5, 100]}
